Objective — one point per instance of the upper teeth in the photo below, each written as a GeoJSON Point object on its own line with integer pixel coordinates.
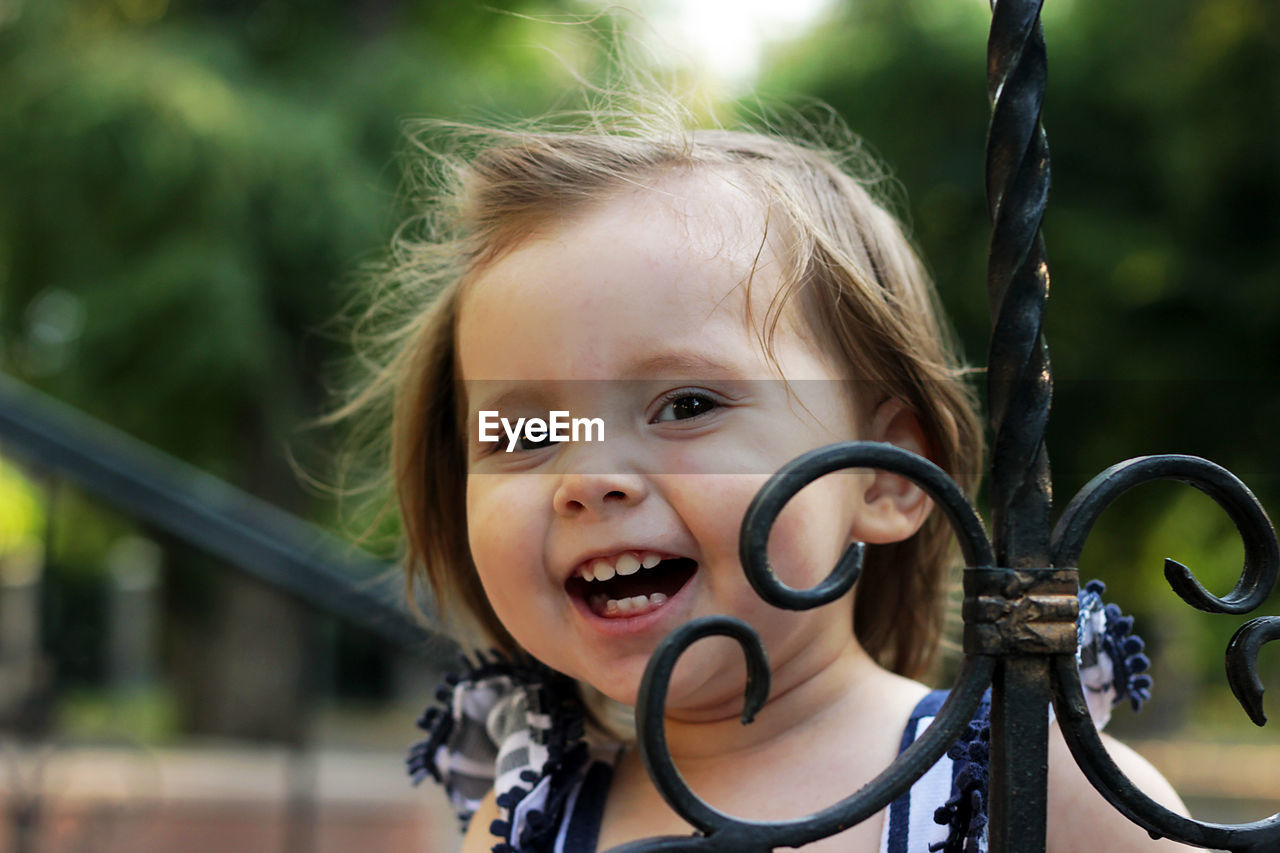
{"type": "Point", "coordinates": [627, 563]}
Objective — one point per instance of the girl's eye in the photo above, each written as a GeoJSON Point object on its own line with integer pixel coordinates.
{"type": "Point", "coordinates": [526, 443]}
{"type": "Point", "coordinates": [684, 405]}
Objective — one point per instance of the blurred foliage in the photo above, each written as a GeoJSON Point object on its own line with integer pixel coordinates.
{"type": "Point", "coordinates": [186, 184]}
{"type": "Point", "coordinates": [22, 515]}
{"type": "Point", "coordinates": [142, 717]}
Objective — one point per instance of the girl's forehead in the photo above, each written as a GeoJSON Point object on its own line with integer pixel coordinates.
{"type": "Point", "coordinates": [700, 216]}
{"type": "Point", "coordinates": [674, 261]}
{"type": "Point", "coordinates": [711, 215]}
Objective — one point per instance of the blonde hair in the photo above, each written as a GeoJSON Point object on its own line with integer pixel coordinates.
{"type": "Point", "coordinates": [862, 292]}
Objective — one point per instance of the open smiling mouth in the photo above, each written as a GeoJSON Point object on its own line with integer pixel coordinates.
{"type": "Point", "coordinates": [630, 584]}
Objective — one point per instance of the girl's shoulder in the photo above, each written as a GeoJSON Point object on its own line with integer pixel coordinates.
{"type": "Point", "coordinates": [510, 725]}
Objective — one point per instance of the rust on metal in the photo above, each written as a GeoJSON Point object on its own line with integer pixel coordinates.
{"type": "Point", "coordinates": [1020, 611]}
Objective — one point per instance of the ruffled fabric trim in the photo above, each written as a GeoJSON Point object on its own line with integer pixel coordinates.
{"type": "Point", "coordinates": [510, 724]}
{"type": "Point", "coordinates": [965, 814]}
{"type": "Point", "coordinates": [1108, 643]}
{"type": "Point", "coordinates": [1112, 669]}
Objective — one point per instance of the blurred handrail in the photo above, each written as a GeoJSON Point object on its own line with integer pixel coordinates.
{"type": "Point", "coordinates": [263, 541]}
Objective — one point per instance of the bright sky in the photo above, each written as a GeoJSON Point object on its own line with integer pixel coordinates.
{"type": "Point", "coordinates": [725, 38]}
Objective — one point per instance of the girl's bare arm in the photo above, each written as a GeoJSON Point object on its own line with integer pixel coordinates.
{"type": "Point", "coordinates": [1081, 819]}
{"type": "Point", "coordinates": [479, 839]}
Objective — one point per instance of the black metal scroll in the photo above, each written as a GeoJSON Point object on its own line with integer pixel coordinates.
{"type": "Point", "coordinates": [1257, 580]}
{"type": "Point", "coordinates": [1020, 603]}
{"type": "Point", "coordinates": [721, 832]}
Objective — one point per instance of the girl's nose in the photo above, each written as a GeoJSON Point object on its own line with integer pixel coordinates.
{"type": "Point", "coordinates": [598, 493]}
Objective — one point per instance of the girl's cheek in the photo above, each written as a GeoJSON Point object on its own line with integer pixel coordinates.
{"type": "Point", "coordinates": [492, 504]}
{"type": "Point", "coordinates": [489, 492]}
{"type": "Point", "coordinates": [711, 507]}
{"type": "Point", "coordinates": [812, 532]}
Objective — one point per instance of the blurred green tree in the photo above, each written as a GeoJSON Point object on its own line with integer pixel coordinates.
{"type": "Point", "coordinates": [184, 187]}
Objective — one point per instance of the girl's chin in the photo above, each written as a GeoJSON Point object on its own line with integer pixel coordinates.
{"type": "Point", "coordinates": [618, 688]}
{"type": "Point", "coordinates": [692, 693]}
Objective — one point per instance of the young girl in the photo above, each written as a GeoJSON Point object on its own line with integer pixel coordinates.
{"type": "Point", "coordinates": [720, 302]}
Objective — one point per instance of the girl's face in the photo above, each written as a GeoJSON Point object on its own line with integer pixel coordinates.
{"type": "Point", "coordinates": [591, 552]}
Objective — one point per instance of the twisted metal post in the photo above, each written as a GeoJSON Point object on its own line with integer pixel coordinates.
{"type": "Point", "coordinates": [1019, 392]}
{"type": "Point", "coordinates": [1018, 375]}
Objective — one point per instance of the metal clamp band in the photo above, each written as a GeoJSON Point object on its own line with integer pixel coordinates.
{"type": "Point", "coordinates": [1020, 611]}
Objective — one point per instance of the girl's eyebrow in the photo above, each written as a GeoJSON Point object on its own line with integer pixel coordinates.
{"type": "Point", "coordinates": [677, 364]}
{"type": "Point", "coordinates": [681, 364]}
{"type": "Point", "coordinates": [510, 397]}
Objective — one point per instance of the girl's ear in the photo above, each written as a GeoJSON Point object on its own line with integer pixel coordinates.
{"type": "Point", "coordinates": [895, 507]}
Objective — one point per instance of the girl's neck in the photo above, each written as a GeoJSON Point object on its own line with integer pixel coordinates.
{"type": "Point", "coordinates": [811, 694]}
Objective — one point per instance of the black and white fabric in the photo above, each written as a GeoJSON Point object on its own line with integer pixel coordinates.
{"type": "Point", "coordinates": [1113, 661]}
{"type": "Point", "coordinates": [945, 810]}
{"type": "Point", "coordinates": [512, 725]}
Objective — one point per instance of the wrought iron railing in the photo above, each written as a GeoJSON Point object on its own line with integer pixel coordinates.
{"type": "Point", "coordinates": [248, 534]}
{"type": "Point", "coordinates": [1020, 585]}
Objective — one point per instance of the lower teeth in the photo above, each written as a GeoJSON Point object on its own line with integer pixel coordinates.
{"type": "Point", "coordinates": [631, 606]}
